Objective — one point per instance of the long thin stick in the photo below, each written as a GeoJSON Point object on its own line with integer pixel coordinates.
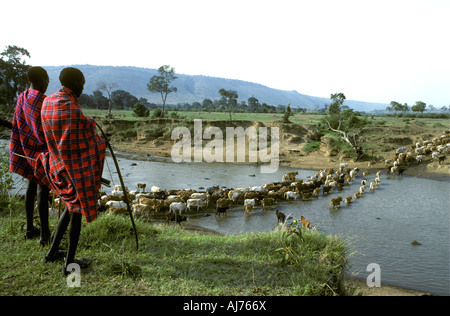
{"type": "Point", "coordinates": [122, 184]}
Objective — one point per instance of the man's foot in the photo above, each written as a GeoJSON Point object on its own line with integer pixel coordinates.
{"type": "Point", "coordinates": [45, 239]}
{"type": "Point", "coordinates": [59, 255]}
{"type": "Point", "coordinates": [32, 233]}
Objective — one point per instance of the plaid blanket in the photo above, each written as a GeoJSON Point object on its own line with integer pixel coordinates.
{"type": "Point", "coordinates": [73, 165]}
{"type": "Point", "coordinates": [27, 136]}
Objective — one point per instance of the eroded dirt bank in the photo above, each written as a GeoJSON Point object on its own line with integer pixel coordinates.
{"type": "Point", "coordinates": [153, 138]}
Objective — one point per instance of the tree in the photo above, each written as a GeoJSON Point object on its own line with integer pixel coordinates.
{"type": "Point", "coordinates": [13, 74]}
{"type": "Point", "coordinates": [207, 104]}
{"type": "Point", "coordinates": [86, 101]}
{"type": "Point", "coordinates": [419, 107]}
{"type": "Point", "coordinates": [161, 83]}
{"type": "Point", "coordinates": [287, 114]}
{"type": "Point", "coordinates": [228, 100]}
{"type": "Point", "coordinates": [336, 106]}
{"type": "Point", "coordinates": [397, 107]}
{"type": "Point", "coordinates": [253, 104]}
{"type": "Point", "coordinates": [141, 110]}
{"type": "Point", "coordinates": [345, 122]}
{"type": "Point", "coordinates": [122, 99]}
{"type": "Point", "coordinates": [99, 100]}
{"type": "Point", "coordinates": [107, 87]}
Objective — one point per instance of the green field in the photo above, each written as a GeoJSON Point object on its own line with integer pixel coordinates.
{"type": "Point", "coordinates": [173, 261]}
{"type": "Point", "coordinates": [298, 118]}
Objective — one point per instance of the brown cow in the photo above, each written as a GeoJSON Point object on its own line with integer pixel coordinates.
{"type": "Point", "coordinates": [316, 192]}
{"type": "Point", "coordinates": [305, 222]}
{"type": "Point", "coordinates": [267, 202]}
{"type": "Point", "coordinates": [326, 189]}
{"type": "Point", "coordinates": [171, 217]}
{"type": "Point", "coordinates": [336, 202]}
{"type": "Point", "coordinates": [306, 195]}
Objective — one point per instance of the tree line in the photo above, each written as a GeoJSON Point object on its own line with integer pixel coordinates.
{"type": "Point", "coordinates": [419, 107]}
{"type": "Point", "coordinates": [162, 84]}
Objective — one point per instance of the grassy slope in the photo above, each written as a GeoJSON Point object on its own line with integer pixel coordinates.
{"type": "Point", "coordinates": [172, 261]}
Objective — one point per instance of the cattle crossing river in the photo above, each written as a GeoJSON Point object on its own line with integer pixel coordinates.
{"type": "Point", "coordinates": [379, 227]}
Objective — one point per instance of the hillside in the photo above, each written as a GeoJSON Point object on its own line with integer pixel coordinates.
{"type": "Point", "coordinates": [195, 88]}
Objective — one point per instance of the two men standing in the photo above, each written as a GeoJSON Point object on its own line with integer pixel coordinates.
{"type": "Point", "coordinates": [69, 160]}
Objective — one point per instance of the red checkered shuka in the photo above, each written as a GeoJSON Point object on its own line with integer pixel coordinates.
{"type": "Point", "coordinates": [27, 137]}
{"type": "Point", "coordinates": [73, 165]}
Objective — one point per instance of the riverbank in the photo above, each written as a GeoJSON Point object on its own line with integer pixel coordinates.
{"type": "Point", "coordinates": [361, 289]}
{"type": "Point", "coordinates": [429, 169]}
{"type": "Point", "coordinates": [300, 145]}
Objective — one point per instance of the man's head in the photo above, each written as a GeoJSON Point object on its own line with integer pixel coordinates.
{"type": "Point", "coordinates": [73, 79]}
{"type": "Point", "coordinates": [38, 78]}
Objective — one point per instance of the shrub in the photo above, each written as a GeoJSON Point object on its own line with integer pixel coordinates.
{"type": "Point", "coordinates": [141, 110]}
{"type": "Point", "coordinates": [311, 146]}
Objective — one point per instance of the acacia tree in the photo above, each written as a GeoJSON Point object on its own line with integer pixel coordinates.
{"type": "Point", "coordinates": [13, 74]}
{"type": "Point", "coordinates": [228, 100]}
{"type": "Point", "coordinates": [161, 83]}
{"type": "Point", "coordinates": [345, 122]}
{"type": "Point", "coordinates": [108, 88]}
{"type": "Point", "coordinates": [419, 107]}
{"type": "Point", "coordinates": [398, 107]}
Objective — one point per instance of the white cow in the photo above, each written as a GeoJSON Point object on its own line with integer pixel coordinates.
{"type": "Point", "coordinates": [195, 203]}
{"type": "Point", "coordinates": [291, 195]}
{"type": "Point", "coordinates": [177, 207]}
{"type": "Point", "coordinates": [118, 204]}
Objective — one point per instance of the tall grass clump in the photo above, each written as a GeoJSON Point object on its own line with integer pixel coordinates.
{"type": "Point", "coordinates": [320, 258]}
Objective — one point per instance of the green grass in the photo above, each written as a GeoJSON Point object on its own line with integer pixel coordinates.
{"type": "Point", "coordinates": [211, 116]}
{"type": "Point", "coordinates": [173, 261]}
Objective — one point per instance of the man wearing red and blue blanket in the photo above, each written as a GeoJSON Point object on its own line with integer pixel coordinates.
{"type": "Point", "coordinates": [73, 165]}
{"type": "Point", "coordinates": [27, 142]}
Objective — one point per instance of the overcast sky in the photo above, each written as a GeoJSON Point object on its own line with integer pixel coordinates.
{"type": "Point", "coordinates": [377, 51]}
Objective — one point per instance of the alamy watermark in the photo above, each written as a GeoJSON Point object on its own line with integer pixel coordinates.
{"type": "Point", "coordinates": [74, 277]}
{"type": "Point", "coordinates": [259, 141]}
{"type": "Point", "coordinates": [374, 278]}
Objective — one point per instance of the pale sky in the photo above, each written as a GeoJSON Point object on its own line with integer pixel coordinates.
{"type": "Point", "coordinates": [375, 51]}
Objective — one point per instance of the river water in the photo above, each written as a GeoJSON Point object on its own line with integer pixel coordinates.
{"type": "Point", "coordinates": [379, 227]}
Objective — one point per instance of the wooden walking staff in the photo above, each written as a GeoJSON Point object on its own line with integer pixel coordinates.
{"type": "Point", "coordinates": [121, 183]}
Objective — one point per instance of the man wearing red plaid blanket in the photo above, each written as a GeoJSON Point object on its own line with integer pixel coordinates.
{"type": "Point", "coordinates": [27, 142]}
{"type": "Point", "coordinates": [73, 165]}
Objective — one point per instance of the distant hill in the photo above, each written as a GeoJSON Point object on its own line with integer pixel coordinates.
{"type": "Point", "coordinates": [194, 88]}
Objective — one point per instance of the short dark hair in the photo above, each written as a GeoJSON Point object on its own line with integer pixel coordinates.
{"type": "Point", "coordinates": [37, 75]}
{"type": "Point", "coordinates": [71, 76]}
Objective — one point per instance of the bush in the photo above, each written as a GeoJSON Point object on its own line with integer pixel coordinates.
{"type": "Point", "coordinates": [157, 113]}
{"type": "Point", "coordinates": [141, 110]}
{"type": "Point", "coordinates": [311, 146]}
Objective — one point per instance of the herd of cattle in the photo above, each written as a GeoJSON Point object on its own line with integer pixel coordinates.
{"type": "Point", "coordinates": [172, 204]}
